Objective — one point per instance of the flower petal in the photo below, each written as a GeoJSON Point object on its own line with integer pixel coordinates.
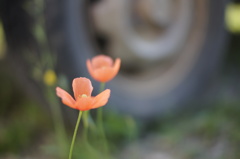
{"type": "Point", "coordinates": [101, 99]}
{"type": "Point", "coordinates": [116, 66]}
{"type": "Point", "coordinates": [90, 68]}
{"type": "Point", "coordinates": [104, 74]}
{"type": "Point", "coordinates": [102, 61]}
{"type": "Point", "coordinates": [82, 86]}
{"type": "Point", "coordinates": [84, 104]}
{"type": "Point", "coordinates": [102, 68]}
{"type": "Point", "coordinates": [66, 97]}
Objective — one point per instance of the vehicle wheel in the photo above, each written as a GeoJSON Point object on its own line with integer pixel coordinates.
{"type": "Point", "coordinates": [169, 49]}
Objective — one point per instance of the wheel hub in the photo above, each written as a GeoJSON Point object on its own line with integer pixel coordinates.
{"type": "Point", "coordinates": [143, 31]}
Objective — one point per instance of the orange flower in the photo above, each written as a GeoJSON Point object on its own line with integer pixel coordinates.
{"type": "Point", "coordinates": [82, 88]}
{"type": "Point", "coordinates": [102, 68]}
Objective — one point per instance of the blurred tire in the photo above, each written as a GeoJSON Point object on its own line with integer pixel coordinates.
{"type": "Point", "coordinates": [67, 25]}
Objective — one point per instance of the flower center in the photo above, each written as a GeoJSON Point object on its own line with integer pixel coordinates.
{"type": "Point", "coordinates": [84, 96]}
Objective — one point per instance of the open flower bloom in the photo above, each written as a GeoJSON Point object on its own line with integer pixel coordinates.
{"type": "Point", "coordinates": [102, 68]}
{"type": "Point", "coordinates": [82, 88]}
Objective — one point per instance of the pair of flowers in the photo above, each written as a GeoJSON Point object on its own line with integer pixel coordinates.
{"type": "Point", "coordinates": [102, 69]}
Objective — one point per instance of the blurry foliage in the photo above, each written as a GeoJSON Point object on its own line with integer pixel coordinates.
{"type": "Point", "coordinates": [21, 120]}
{"type": "Point", "coordinates": [233, 54]}
{"type": "Point", "coordinates": [2, 42]}
{"type": "Point", "coordinates": [209, 122]}
{"type": "Point", "coordinates": [120, 129]}
{"type": "Point", "coordinates": [193, 133]}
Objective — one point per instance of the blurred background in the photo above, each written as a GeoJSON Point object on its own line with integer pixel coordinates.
{"type": "Point", "coordinates": [177, 95]}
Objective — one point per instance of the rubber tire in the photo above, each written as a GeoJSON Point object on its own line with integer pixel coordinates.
{"type": "Point", "coordinates": [66, 23]}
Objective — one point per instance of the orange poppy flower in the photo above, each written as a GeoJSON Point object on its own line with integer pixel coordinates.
{"type": "Point", "coordinates": [102, 68]}
{"type": "Point", "coordinates": [82, 88]}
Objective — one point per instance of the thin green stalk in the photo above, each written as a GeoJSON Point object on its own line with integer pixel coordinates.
{"type": "Point", "coordinates": [86, 125]}
{"type": "Point", "coordinates": [99, 110]}
{"type": "Point", "coordinates": [85, 132]}
{"type": "Point", "coordinates": [102, 86]}
{"type": "Point", "coordinates": [74, 134]}
{"type": "Point", "coordinates": [100, 121]}
{"type": "Point", "coordinates": [58, 122]}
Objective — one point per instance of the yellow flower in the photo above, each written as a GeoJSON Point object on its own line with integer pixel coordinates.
{"type": "Point", "coordinates": [50, 77]}
{"type": "Point", "coordinates": [232, 18]}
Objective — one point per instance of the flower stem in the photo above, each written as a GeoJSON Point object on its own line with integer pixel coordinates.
{"type": "Point", "coordinates": [58, 122]}
{"type": "Point", "coordinates": [99, 111]}
{"type": "Point", "coordinates": [74, 134]}
{"type": "Point", "coordinates": [102, 87]}
{"type": "Point", "coordinates": [86, 125]}
{"type": "Point", "coordinates": [100, 121]}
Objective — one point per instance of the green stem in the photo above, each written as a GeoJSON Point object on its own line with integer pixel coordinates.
{"type": "Point", "coordinates": [86, 125]}
{"type": "Point", "coordinates": [100, 121]}
{"type": "Point", "coordinates": [99, 110]}
{"type": "Point", "coordinates": [102, 87]}
{"type": "Point", "coordinates": [57, 121]}
{"type": "Point", "coordinates": [85, 119]}
{"type": "Point", "coordinates": [74, 134]}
